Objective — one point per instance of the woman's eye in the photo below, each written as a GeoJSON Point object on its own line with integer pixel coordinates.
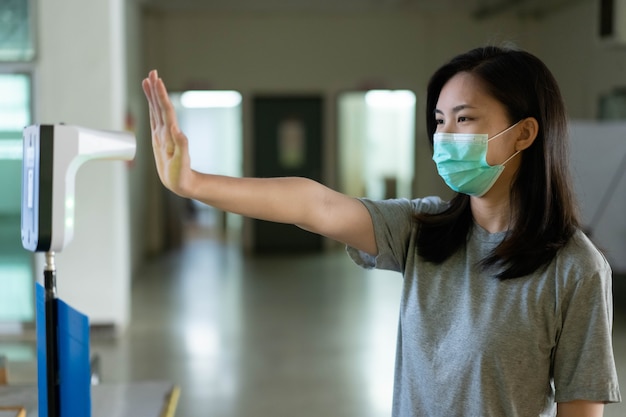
{"type": "Point", "coordinates": [439, 121]}
{"type": "Point", "coordinates": [462, 119]}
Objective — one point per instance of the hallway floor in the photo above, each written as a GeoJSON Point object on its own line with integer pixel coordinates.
{"type": "Point", "coordinates": [305, 335]}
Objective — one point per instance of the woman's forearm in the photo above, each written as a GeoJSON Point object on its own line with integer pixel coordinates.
{"type": "Point", "coordinates": [294, 200]}
{"type": "Point", "coordinates": [284, 200]}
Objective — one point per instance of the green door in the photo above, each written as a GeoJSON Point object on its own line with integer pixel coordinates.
{"type": "Point", "coordinates": [287, 142]}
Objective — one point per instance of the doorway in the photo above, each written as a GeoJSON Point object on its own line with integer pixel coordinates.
{"type": "Point", "coordinates": [212, 122]}
{"type": "Point", "coordinates": [376, 138]}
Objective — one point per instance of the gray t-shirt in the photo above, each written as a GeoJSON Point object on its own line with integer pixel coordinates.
{"type": "Point", "coordinates": [470, 344]}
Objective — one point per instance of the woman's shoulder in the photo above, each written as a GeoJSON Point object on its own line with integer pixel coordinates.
{"type": "Point", "coordinates": [582, 255]}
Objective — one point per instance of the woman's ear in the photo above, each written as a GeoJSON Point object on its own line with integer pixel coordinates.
{"type": "Point", "coordinates": [529, 130]}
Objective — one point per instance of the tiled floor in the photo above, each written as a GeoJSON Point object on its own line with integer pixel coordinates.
{"type": "Point", "coordinates": [306, 335]}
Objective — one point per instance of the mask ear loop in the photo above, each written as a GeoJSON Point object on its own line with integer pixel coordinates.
{"type": "Point", "coordinates": [510, 157]}
{"type": "Point", "coordinates": [503, 132]}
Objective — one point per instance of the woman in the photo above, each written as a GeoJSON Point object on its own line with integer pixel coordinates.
{"type": "Point", "coordinates": [506, 307]}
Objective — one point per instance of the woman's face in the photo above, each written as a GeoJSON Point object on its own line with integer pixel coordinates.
{"type": "Point", "coordinates": [465, 107]}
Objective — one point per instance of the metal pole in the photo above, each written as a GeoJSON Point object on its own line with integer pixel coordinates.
{"type": "Point", "coordinates": [52, 355]}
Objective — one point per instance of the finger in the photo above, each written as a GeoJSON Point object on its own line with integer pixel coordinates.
{"type": "Point", "coordinates": [153, 79]}
{"type": "Point", "coordinates": [168, 114]}
{"type": "Point", "coordinates": [145, 84]}
{"type": "Point", "coordinates": [150, 95]}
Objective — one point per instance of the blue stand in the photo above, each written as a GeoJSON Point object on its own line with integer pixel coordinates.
{"type": "Point", "coordinates": [68, 392]}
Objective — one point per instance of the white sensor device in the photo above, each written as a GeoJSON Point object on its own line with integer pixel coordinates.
{"type": "Point", "coordinates": [52, 155]}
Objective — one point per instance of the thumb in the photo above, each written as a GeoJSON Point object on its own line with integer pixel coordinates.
{"type": "Point", "coordinates": [179, 138]}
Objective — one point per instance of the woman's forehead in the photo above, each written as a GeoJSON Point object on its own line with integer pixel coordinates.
{"type": "Point", "coordinates": [464, 91]}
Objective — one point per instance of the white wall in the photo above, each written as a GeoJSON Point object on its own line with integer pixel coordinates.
{"type": "Point", "coordinates": [584, 67]}
{"type": "Point", "coordinates": [146, 189]}
{"type": "Point", "coordinates": [80, 79]}
{"type": "Point", "coordinates": [598, 154]}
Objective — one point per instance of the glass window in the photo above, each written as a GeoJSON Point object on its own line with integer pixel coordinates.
{"type": "Point", "coordinates": [16, 30]}
{"type": "Point", "coordinates": [14, 104]}
{"type": "Point", "coordinates": [16, 300]}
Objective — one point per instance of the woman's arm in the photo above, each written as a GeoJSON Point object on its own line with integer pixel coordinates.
{"type": "Point", "coordinates": [580, 408]}
{"type": "Point", "coordinates": [300, 201]}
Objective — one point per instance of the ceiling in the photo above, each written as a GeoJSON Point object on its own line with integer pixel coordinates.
{"type": "Point", "coordinates": [479, 9]}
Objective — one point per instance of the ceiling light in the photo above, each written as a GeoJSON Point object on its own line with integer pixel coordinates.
{"type": "Point", "coordinates": [390, 98]}
{"type": "Point", "coordinates": [197, 99]}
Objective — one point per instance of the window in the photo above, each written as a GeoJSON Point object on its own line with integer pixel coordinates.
{"type": "Point", "coordinates": [14, 104]}
{"type": "Point", "coordinates": [16, 31]}
{"type": "Point", "coordinates": [15, 262]}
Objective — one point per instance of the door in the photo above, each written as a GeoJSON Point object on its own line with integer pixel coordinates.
{"type": "Point", "coordinates": [287, 142]}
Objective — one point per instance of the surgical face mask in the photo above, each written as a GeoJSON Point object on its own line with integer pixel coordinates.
{"type": "Point", "coordinates": [461, 160]}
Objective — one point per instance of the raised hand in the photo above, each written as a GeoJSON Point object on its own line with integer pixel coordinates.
{"type": "Point", "coordinates": [169, 144]}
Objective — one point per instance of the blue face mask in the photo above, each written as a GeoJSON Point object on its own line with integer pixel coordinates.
{"type": "Point", "coordinates": [461, 160]}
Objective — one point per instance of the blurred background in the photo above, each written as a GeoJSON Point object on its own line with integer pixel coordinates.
{"type": "Point", "coordinates": [247, 316]}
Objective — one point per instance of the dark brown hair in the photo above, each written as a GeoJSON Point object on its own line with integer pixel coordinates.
{"type": "Point", "coordinates": [543, 209]}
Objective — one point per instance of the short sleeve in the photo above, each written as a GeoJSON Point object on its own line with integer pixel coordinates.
{"type": "Point", "coordinates": [584, 366]}
{"type": "Point", "coordinates": [394, 224]}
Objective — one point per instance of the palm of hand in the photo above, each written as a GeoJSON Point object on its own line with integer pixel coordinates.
{"type": "Point", "coordinates": [168, 142]}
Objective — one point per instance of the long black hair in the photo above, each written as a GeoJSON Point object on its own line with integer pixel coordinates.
{"type": "Point", "coordinates": [544, 213]}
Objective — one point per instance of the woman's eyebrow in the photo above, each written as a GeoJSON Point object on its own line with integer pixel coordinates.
{"type": "Point", "coordinates": [456, 109]}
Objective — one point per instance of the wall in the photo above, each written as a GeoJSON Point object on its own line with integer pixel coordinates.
{"type": "Point", "coordinates": [584, 66]}
{"type": "Point", "coordinates": [146, 191]}
{"type": "Point", "coordinates": [601, 187]}
{"type": "Point", "coordinates": [80, 80]}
